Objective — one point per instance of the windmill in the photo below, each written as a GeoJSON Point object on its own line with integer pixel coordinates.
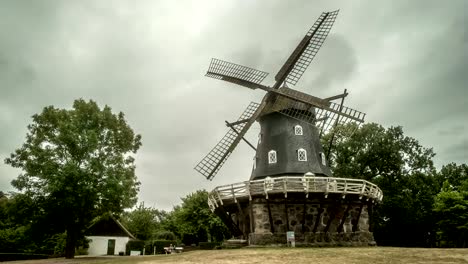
{"type": "Point", "coordinates": [291, 188]}
{"type": "Point", "coordinates": [291, 121]}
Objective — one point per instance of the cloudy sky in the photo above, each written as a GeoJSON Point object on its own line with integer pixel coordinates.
{"type": "Point", "coordinates": [403, 62]}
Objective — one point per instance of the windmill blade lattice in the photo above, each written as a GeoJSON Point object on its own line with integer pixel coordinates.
{"type": "Point", "coordinates": [214, 160]}
{"type": "Point", "coordinates": [307, 48]}
{"type": "Point", "coordinates": [220, 68]}
{"type": "Point", "coordinates": [294, 109]}
{"type": "Point", "coordinates": [331, 118]}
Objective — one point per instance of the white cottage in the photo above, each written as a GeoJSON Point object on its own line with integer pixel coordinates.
{"type": "Point", "coordinates": [107, 237]}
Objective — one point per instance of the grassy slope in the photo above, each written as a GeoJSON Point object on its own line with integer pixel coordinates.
{"type": "Point", "coordinates": [375, 255]}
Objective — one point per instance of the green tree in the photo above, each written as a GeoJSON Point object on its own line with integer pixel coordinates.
{"type": "Point", "coordinates": [77, 164]}
{"type": "Point", "coordinates": [453, 174]}
{"type": "Point", "coordinates": [194, 222]}
{"type": "Point", "coordinates": [401, 167]}
{"type": "Point", "coordinates": [143, 222]}
{"type": "Point", "coordinates": [451, 207]}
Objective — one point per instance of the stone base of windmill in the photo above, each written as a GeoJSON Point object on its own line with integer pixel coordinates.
{"type": "Point", "coordinates": [325, 222]}
{"type": "Point", "coordinates": [324, 217]}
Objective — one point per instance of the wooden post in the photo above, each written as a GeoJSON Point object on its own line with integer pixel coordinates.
{"type": "Point", "coordinates": [252, 222]}
{"type": "Point", "coordinates": [331, 213]}
{"type": "Point", "coordinates": [272, 228]}
{"type": "Point", "coordinates": [343, 219]}
{"type": "Point", "coordinates": [319, 217]}
{"type": "Point", "coordinates": [371, 215]}
{"type": "Point", "coordinates": [356, 224]}
{"type": "Point", "coordinates": [304, 214]}
{"type": "Point", "coordinates": [241, 216]}
{"type": "Point", "coordinates": [286, 214]}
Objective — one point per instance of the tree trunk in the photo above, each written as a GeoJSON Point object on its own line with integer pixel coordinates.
{"type": "Point", "coordinates": [70, 242]}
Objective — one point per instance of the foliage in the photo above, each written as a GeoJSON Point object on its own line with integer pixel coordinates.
{"type": "Point", "coordinates": [143, 222]}
{"type": "Point", "coordinates": [77, 164]}
{"type": "Point", "coordinates": [451, 207]}
{"type": "Point", "coordinates": [194, 222]}
{"type": "Point", "coordinates": [160, 245]}
{"type": "Point", "coordinates": [209, 245]}
{"type": "Point", "coordinates": [21, 256]}
{"type": "Point", "coordinates": [401, 167]}
{"type": "Point", "coordinates": [455, 175]}
{"type": "Point", "coordinates": [134, 245]}
{"type": "Point", "coordinates": [165, 235]}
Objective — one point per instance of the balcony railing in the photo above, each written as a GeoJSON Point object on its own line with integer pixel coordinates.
{"type": "Point", "coordinates": [293, 184]}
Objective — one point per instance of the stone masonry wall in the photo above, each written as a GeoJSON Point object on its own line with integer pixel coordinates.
{"type": "Point", "coordinates": [321, 212]}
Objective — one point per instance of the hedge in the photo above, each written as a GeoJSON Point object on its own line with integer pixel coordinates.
{"type": "Point", "coordinates": [208, 245]}
{"type": "Point", "coordinates": [159, 244]}
{"type": "Point", "coordinates": [134, 245]}
{"type": "Point", "coordinates": [21, 256]}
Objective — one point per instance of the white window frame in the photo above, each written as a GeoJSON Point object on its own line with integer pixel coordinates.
{"type": "Point", "coordinates": [254, 162]}
{"type": "Point", "coordinates": [272, 157]}
{"type": "Point", "coordinates": [298, 131]}
{"type": "Point", "coordinates": [322, 157]}
{"type": "Point", "coordinates": [259, 138]}
{"type": "Point", "coordinates": [301, 154]}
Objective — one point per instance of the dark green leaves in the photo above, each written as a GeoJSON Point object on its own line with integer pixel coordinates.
{"type": "Point", "coordinates": [78, 163]}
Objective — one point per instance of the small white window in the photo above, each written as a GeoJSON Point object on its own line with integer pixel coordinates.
{"type": "Point", "coordinates": [254, 162]}
{"type": "Point", "coordinates": [298, 130]}
{"type": "Point", "coordinates": [272, 156]}
{"type": "Point", "coordinates": [324, 160]}
{"type": "Point", "coordinates": [301, 155]}
{"type": "Point", "coordinates": [259, 138]}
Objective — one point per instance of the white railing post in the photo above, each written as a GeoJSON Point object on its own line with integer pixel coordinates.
{"type": "Point", "coordinates": [233, 194]}
{"type": "Point", "coordinates": [247, 189]}
{"type": "Point", "coordinates": [285, 186]}
{"type": "Point", "coordinates": [219, 197]}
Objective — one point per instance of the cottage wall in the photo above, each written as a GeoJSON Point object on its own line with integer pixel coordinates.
{"type": "Point", "coordinates": [98, 245]}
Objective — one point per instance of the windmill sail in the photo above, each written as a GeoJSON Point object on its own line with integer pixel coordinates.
{"type": "Point", "coordinates": [214, 160]}
{"type": "Point", "coordinates": [337, 118]}
{"type": "Point", "coordinates": [305, 52]}
{"type": "Point", "coordinates": [232, 72]}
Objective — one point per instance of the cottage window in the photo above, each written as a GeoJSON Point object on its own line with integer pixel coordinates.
{"type": "Point", "coordinates": [272, 157]}
{"type": "Point", "coordinates": [298, 130]}
{"type": "Point", "coordinates": [254, 162]}
{"type": "Point", "coordinates": [301, 155]}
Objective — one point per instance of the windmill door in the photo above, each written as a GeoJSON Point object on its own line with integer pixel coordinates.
{"type": "Point", "coordinates": [111, 247]}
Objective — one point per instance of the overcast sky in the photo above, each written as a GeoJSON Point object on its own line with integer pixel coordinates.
{"type": "Point", "coordinates": [403, 62]}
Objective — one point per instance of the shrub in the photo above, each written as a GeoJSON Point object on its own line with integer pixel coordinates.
{"type": "Point", "coordinates": [165, 235]}
{"type": "Point", "coordinates": [134, 245]}
{"type": "Point", "coordinates": [209, 245]}
{"type": "Point", "coordinates": [159, 244]}
{"type": "Point", "coordinates": [20, 256]}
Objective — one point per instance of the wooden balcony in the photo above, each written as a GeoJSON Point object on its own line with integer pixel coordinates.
{"type": "Point", "coordinates": [228, 194]}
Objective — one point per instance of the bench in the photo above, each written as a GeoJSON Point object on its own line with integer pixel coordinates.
{"type": "Point", "coordinates": [170, 250]}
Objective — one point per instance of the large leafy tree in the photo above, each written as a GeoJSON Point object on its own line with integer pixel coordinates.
{"type": "Point", "coordinates": [77, 164]}
{"type": "Point", "coordinates": [401, 167]}
{"type": "Point", "coordinates": [451, 208]}
{"type": "Point", "coordinates": [451, 205]}
{"type": "Point", "coordinates": [194, 222]}
{"type": "Point", "coordinates": [144, 222]}
{"type": "Point", "coordinates": [455, 175]}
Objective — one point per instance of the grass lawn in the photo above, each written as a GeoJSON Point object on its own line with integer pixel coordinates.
{"type": "Point", "coordinates": [371, 255]}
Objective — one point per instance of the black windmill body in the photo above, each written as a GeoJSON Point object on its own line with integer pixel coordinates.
{"type": "Point", "coordinates": [291, 121]}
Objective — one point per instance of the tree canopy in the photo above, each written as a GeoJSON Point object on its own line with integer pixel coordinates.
{"type": "Point", "coordinates": [194, 222]}
{"type": "Point", "coordinates": [401, 167]}
{"type": "Point", "coordinates": [144, 222]}
{"type": "Point", "coordinates": [77, 164]}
